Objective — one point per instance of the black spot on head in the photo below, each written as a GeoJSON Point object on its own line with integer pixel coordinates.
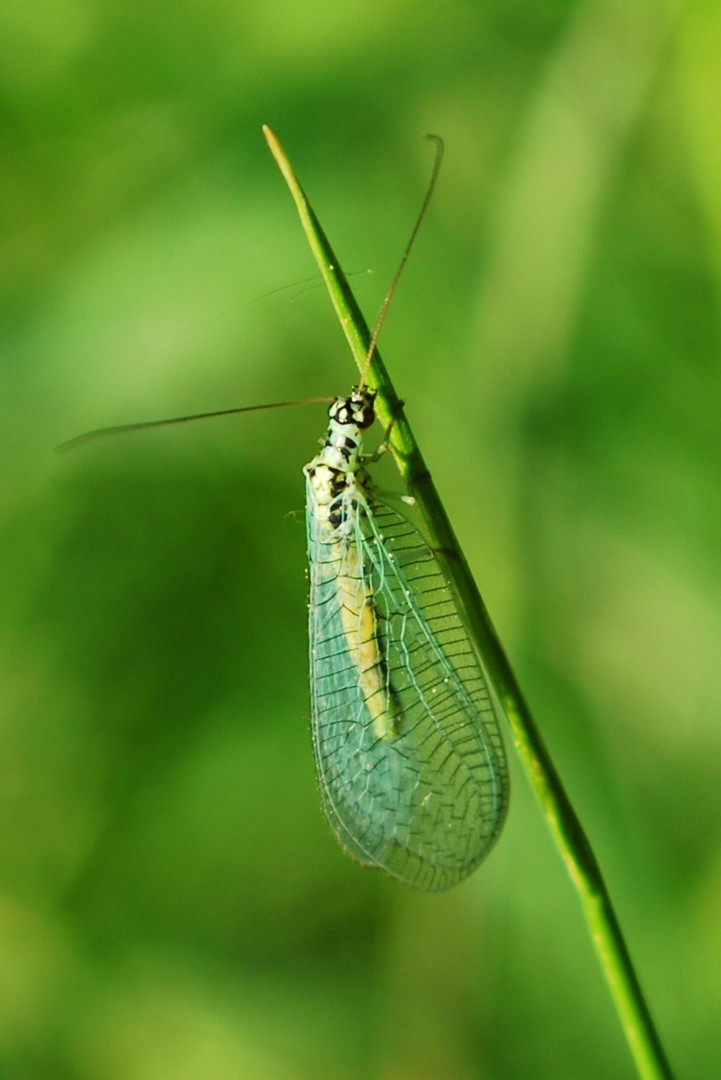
{"type": "Point", "coordinates": [357, 409]}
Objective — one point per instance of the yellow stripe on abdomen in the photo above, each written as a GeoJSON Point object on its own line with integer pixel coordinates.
{"type": "Point", "coordinates": [360, 626]}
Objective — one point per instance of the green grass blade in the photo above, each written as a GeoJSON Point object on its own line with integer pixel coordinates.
{"type": "Point", "coordinates": [605, 931]}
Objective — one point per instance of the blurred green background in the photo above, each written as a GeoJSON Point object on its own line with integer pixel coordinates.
{"type": "Point", "coordinates": [172, 903]}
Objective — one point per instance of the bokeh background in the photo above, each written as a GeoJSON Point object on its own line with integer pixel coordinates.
{"type": "Point", "coordinates": [172, 903]}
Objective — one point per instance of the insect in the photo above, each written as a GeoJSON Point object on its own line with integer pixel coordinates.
{"type": "Point", "coordinates": [408, 752]}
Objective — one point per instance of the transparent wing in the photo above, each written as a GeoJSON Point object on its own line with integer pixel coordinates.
{"type": "Point", "coordinates": [425, 800]}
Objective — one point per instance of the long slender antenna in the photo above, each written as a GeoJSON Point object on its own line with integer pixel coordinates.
{"type": "Point", "coordinates": [144, 425]}
{"type": "Point", "coordinates": [394, 284]}
{"type": "Point", "coordinates": [124, 429]}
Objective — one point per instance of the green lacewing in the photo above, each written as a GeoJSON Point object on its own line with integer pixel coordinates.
{"type": "Point", "coordinates": [408, 751]}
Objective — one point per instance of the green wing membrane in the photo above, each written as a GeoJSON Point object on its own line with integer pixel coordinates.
{"type": "Point", "coordinates": [426, 800]}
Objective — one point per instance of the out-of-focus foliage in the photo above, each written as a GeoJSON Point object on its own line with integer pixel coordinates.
{"type": "Point", "coordinates": [171, 901]}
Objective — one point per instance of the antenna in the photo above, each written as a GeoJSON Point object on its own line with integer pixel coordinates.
{"type": "Point", "coordinates": [394, 284]}
{"type": "Point", "coordinates": [145, 425]}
